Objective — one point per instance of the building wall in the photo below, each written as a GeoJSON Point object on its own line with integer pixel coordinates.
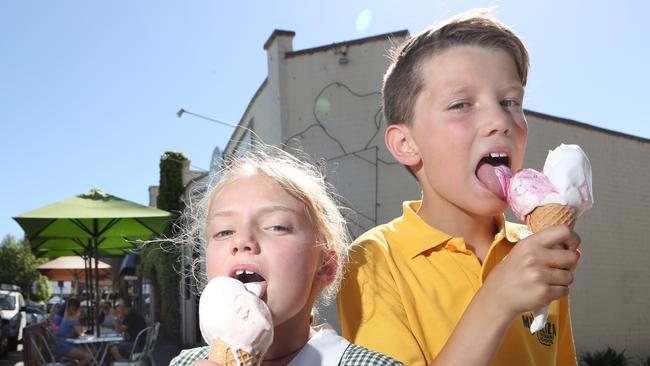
{"type": "Point", "coordinates": [611, 294]}
{"type": "Point", "coordinates": [331, 110]}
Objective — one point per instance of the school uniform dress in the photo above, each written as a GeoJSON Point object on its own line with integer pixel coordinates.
{"type": "Point", "coordinates": [325, 348]}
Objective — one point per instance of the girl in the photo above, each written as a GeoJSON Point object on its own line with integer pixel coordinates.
{"type": "Point", "coordinates": [71, 328]}
{"type": "Point", "coordinates": [275, 216]}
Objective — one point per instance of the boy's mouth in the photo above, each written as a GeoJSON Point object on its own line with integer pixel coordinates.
{"type": "Point", "coordinates": [486, 172]}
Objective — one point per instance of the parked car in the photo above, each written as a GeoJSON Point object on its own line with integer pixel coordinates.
{"type": "Point", "coordinates": [12, 309]}
{"type": "Point", "coordinates": [4, 336]}
{"type": "Point", "coordinates": [34, 315]}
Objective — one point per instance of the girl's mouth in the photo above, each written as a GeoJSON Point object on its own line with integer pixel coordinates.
{"type": "Point", "coordinates": [253, 281]}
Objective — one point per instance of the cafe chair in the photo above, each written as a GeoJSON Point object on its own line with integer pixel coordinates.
{"type": "Point", "coordinates": [145, 355]}
{"type": "Point", "coordinates": [152, 338]}
{"type": "Point", "coordinates": [43, 354]}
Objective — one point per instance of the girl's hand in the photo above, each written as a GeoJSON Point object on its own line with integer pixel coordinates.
{"type": "Point", "coordinates": [205, 363]}
{"type": "Point", "coordinates": [535, 273]}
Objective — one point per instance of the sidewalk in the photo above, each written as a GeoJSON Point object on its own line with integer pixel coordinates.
{"type": "Point", "coordinates": [13, 358]}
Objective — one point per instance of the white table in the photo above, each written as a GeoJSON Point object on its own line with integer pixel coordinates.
{"type": "Point", "coordinates": [97, 346]}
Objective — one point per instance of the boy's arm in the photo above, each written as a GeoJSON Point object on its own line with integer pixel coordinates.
{"type": "Point", "coordinates": [532, 274]}
{"type": "Point", "coordinates": [370, 310]}
{"type": "Point", "coordinates": [566, 354]}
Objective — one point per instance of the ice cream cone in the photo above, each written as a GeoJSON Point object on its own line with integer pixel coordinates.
{"type": "Point", "coordinates": [223, 354]}
{"type": "Point", "coordinates": [543, 217]}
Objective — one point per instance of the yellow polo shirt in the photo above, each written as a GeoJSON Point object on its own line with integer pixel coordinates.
{"type": "Point", "coordinates": [408, 284]}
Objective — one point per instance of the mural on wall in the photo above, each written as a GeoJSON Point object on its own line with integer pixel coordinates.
{"type": "Point", "coordinates": [350, 146]}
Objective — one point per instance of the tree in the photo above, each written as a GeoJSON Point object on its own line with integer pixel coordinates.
{"type": "Point", "coordinates": [18, 265]}
{"type": "Point", "coordinates": [159, 261]}
{"type": "Point", "coordinates": [42, 289]}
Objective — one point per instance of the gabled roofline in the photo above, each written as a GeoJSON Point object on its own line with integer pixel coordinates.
{"type": "Point", "coordinates": [243, 116]}
{"type": "Point", "coordinates": [402, 33]}
{"type": "Point", "coordinates": [571, 122]}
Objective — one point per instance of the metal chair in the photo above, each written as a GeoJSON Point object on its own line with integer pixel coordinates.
{"type": "Point", "coordinates": [43, 354]}
{"type": "Point", "coordinates": [152, 338]}
{"type": "Point", "coordinates": [138, 358]}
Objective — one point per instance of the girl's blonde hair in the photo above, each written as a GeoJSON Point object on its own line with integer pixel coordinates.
{"type": "Point", "coordinates": [299, 177]}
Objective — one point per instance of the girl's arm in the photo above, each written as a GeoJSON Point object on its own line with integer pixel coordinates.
{"type": "Point", "coordinates": [78, 330]}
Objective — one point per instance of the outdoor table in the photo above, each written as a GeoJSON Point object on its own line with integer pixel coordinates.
{"type": "Point", "coordinates": [97, 346]}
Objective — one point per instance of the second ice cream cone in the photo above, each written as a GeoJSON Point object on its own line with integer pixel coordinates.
{"type": "Point", "coordinates": [543, 217]}
{"type": "Point", "coordinates": [223, 354]}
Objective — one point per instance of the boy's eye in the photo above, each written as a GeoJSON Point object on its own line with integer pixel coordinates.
{"type": "Point", "coordinates": [458, 106]}
{"type": "Point", "coordinates": [509, 103]}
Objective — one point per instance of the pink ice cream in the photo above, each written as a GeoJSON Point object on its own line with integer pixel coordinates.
{"type": "Point", "coordinates": [566, 180]}
{"type": "Point", "coordinates": [528, 189]}
{"type": "Point", "coordinates": [230, 312]}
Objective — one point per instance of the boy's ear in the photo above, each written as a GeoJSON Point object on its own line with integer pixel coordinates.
{"type": "Point", "coordinates": [327, 270]}
{"type": "Point", "coordinates": [401, 145]}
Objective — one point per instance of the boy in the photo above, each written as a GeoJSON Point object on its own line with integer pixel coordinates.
{"type": "Point", "coordinates": [417, 288]}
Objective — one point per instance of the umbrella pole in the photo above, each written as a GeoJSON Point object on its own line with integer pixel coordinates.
{"type": "Point", "coordinates": [97, 294]}
{"type": "Point", "coordinates": [87, 289]}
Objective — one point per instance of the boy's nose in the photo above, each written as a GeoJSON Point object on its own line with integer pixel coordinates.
{"type": "Point", "coordinates": [499, 121]}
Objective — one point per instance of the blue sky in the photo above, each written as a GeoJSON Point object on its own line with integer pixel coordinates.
{"type": "Point", "coordinates": [89, 90]}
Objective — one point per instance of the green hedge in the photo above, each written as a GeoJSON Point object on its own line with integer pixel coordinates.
{"type": "Point", "coordinates": [159, 262]}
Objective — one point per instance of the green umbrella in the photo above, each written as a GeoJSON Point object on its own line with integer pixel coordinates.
{"type": "Point", "coordinates": [91, 224]}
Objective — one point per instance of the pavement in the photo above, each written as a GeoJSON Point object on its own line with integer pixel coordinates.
{"type": "Point", "coordinates": [166, 349]}
{"type": "Point", "coordinates": [15, 358]}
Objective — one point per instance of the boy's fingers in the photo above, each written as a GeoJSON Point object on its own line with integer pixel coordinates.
{"type": "Point", "coordinates": [558, 292]}
{"type": "Point", "coordinates": [559, 235]}
{"type": "Point", "coordinates": [559, 277]}
{"type": "Point", "coordinates": [561, 258]}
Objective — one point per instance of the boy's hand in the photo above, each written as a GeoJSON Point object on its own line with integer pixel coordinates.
{"type": "Point", "coordinates": [535, 273]}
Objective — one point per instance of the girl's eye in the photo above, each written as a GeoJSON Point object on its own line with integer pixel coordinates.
{"type": "Point", "coordinates": [223, 233]}
{"type": "Point", "coordinates": [279, 228]}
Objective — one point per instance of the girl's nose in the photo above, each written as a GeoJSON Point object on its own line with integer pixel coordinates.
{"type": "Point", "coordinates": [244, 244]}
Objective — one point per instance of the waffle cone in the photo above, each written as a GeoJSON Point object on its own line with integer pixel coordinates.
{"type": "Point", "coordinates": [543, 217]}
{"type": "Point", "coordinates": [222, 353]}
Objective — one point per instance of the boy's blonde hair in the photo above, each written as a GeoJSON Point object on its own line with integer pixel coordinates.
{"type": "Point", "coordinates": [403, 80]}
{"type": "Point", "coordinates": [301, 179]}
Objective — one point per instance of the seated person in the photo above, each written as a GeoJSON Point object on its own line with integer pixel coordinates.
{"type": "Point", "coordinates": [71, 328]}
{"type": "Point", "coordinates": [130, 323]}
{"type": "Point", "coordinates": [106, 318]}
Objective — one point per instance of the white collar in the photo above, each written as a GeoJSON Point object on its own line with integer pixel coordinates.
{"type": "Point", "coordinates": [325, 348]}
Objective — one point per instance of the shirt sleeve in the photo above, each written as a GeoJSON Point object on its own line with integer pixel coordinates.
{"type": "Point", "coordinates": [370, 309]}
{"type": "Point", "coordinates": [566, 353]}
{"type": "Point", "coordinates": [187, 357]}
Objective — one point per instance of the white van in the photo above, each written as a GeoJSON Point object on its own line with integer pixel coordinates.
{"type": "Point", "coordinates": [12, 308]}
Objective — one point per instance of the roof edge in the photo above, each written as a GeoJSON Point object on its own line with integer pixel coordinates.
{"type": "Point", "coordinates": [586, 126]}
{"type": "Point", "coordinates": [401, 33]}
{"type": "Point", "coordinates": [243, 116]}
{"type": "Point", "coordinates": [277, 33]}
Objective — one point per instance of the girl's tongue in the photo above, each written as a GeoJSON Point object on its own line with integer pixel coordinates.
{"type": "Point", "coordinates": [495, 178]}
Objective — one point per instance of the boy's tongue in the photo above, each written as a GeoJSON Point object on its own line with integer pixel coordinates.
{"type": "Point", "coordinates": [495, 178]}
